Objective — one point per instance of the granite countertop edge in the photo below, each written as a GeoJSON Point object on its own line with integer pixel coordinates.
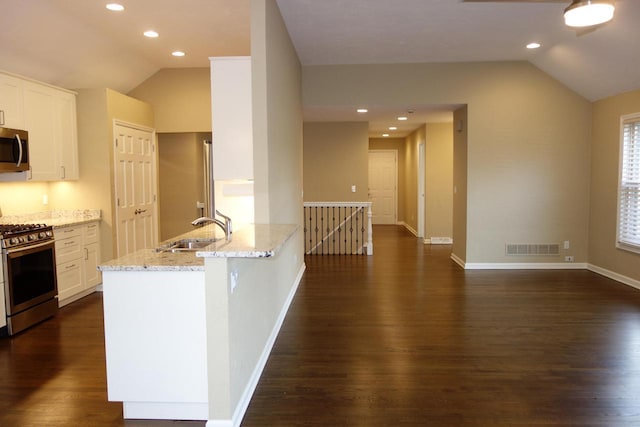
{"type": "Point", "coordinates": [253, 241]}
{"type": "Point", "coordinates": [55, 218]}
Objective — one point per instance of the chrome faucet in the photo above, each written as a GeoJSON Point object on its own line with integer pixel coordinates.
{"type": "Point", "coordinates": [226, 225]}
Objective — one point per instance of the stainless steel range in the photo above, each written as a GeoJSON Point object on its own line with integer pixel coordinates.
{"type": "Point", "coordinates": [30, 287]}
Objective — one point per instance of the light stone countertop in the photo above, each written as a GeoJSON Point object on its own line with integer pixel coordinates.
{"type": "Point", "coordinates": [252, 241]}
{"type": "Point", "coordinates": [55, 218]}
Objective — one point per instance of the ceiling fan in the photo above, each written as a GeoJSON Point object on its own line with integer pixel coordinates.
{"type": "Point", "coordinates": [580, 13]}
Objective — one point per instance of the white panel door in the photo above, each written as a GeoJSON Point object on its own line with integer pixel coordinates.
{"type": "Point", "coordinates": [382, 186]}
{"type": "Point", "coordinates": [135, 183]}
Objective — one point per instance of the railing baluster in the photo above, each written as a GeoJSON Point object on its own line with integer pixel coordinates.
{"type": "Point", "coordinates": [333, 227]}
{"type": "Point", "coordinates": [337, 228]}
{"type": "Point", "coordinates": [357, 241]}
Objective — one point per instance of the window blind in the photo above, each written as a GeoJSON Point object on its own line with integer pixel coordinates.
{"type": "Point", "coordinates": [629, 196]}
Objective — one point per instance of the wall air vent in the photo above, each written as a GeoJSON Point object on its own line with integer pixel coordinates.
{"type": "Point", "coordinates": [548, 249]}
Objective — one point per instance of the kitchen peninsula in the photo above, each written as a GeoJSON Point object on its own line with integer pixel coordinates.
{"type": "Point", "coordinates": [188, 333]}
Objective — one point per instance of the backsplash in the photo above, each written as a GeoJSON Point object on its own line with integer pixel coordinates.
{"type": "Point", "coordinates": [20, 197]}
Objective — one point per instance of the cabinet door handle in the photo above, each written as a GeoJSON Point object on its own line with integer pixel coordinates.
{"type": "Point", "coordinates": [1, 117]}
{"type": "Point", "coordinates": [86, 254]}
{"type": "Point", "coordinates": [63, 172]}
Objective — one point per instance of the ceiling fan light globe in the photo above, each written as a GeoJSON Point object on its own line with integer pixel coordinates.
{"type": "Point", "coordinates": [585, 13]}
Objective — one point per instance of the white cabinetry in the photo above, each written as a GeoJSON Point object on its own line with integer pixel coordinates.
{"type": "Point", "coordinates": [49, 115]}
{"type": "Point", "coordinates": [68, 262]}
{"type": "Point", "coordinates": [77, 257]}
{"type": "Point", "coordinates": [50, 119]}
{"type": "Point", "coordinates": [232, 118]}
{"type": "Point", "coordinates": [91, 242]}
{"type": "Point", "coordinates": [11, 106]}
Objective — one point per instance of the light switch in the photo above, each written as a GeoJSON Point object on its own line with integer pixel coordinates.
{"type": "Point", "coordinates": [353, 188]}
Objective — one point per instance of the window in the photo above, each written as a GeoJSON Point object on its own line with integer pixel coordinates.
{"type": "Point", "coordinates": [629, 187]}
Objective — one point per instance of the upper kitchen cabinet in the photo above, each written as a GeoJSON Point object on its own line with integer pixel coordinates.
{"type": "Point", "coordinates": [11, 106]}
{"type": "Point", "coordinates": [50, 119]}
{"type": "Point", "coordinates": [231, 114]}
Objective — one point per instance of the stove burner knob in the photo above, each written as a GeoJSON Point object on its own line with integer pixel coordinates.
{"type": "Point", "coordinates": [33, 237]}
{"type": "Point", "coordinates": [14, 240]}
{"type": "Point", "coordinates": [42, 234]}
{"type": "Point", "coordinates": [22, 239]}
{"type": "Point", "coordinates": [49, 233]}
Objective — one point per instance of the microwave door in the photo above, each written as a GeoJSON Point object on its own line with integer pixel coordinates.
{"type": "Point", "coordinates": [13, 150]}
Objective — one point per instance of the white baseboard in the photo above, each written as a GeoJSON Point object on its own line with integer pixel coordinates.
{"type": "Point", "coordinates": [408, 227]}
{"type": "Point", "coordinates": [457, 260]}
{"type": "Point", "coordinates": [615, 276]}
{"type": "Point", "coordinates": [438, 241]}
{"type": "Point", "coordinates": [525, 266]}
{"type": "Point", "coordinates": [245, 399]}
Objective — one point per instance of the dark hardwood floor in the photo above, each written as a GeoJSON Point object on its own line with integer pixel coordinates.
{"type": "Point", "coordinates": [403, 338]}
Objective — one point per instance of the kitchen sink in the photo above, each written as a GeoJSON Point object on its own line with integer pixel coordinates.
{"type": "Point", "coordinates": [186, 245]}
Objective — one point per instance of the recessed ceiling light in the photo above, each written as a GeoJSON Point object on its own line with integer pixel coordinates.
{"type": "Point", "coordinates": [151, 34]}
{"type": "Point", "coordinates": [393, 128]}
{"type": "Point", "coordinates": [115, 7]}
{"type": "Point", "coordinates": [362, 110]}
{"type": "Point", "coordinates": [178, 53]}
{"type": "Point", "coordinates": [385, 135]}
{"type": "Point", "coordinates": [402, 118]}
{"type": "Point", "coordinates": [533, 45]}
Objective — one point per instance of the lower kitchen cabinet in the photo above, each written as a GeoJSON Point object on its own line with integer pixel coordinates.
{"type": "Point", "coordinates": [91, 239]}
{"type": "Point", "coordinates": [77, 257]}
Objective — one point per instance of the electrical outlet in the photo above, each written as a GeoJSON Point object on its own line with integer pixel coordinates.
{"type": "Point", "coordinates": [568, 258]}
{"type": "Point", "coordinates": [234, 279]}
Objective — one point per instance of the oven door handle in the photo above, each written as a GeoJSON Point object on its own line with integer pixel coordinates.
{"type": "Point", "coordinates": [28, 248]}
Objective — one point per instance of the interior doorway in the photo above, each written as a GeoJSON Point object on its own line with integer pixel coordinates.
{"type": "Point", "coordinates": [135, 183]}
{"type": "Point", "coordinates": [383, 177]}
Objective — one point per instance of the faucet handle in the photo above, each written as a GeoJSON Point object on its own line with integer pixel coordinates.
{"type": "Point", "coordinates": [227, 221]}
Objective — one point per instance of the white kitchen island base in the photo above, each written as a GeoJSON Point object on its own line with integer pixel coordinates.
{"type": "Point", "coordinates": [155, 339]}
{"type": "Point", "coordinates": [187, 337]}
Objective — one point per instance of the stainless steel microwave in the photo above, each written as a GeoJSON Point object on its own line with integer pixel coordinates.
{"type": "Point", "coordinates": [14, 150]}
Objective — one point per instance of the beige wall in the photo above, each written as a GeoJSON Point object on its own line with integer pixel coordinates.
{"type": "Point", "coordinates": [21, 197]}
{"type": "Point", "coordinates": [397, 144]}
{"type": "Point", "coordinates": [528, 145]}
{"type": "Point", "coordinates": [460, 124]}
{"type": "Point", "coordinates": [410, 178]}
{"type": "Point", "coordinates": [181, 181]}
{"type": "Point", "coordinates": [604, 185]}
{"type": "Point", "coordinates": [180, 97]}
{"type": "Point", "coordinates": [277, 115]}
{"type": "Point", "coordinates": [335, 158]}
{"type": "Point", "coordinates": [439, 180]}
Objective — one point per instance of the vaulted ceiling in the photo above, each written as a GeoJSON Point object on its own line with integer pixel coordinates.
{"type": "Point", "coordinates": [80, 44]}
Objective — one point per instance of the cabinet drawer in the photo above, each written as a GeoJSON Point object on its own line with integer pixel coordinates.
{"type": "Point", "coordinates": [68, 243]}
{"type": "Point", "coordinates": [91, 233]}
